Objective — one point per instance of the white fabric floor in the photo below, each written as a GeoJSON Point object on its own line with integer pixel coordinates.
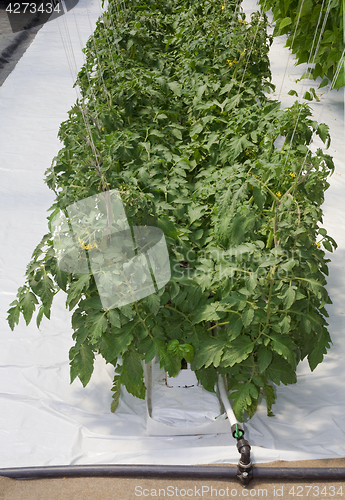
{"type": "Point", "coordinates": [46, 421]}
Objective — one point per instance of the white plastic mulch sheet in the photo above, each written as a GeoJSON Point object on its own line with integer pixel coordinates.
{"type": "Point", "coordinates": [43, 419]}
{"type": "Point", "coordinates": [180, 406]}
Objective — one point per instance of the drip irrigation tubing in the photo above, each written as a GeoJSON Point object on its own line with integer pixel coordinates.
{"type": "Point", "coordinates": [173, 472]}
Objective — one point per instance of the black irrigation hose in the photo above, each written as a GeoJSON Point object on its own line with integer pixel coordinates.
{"type": "Point", "coordinates": [173, 472]}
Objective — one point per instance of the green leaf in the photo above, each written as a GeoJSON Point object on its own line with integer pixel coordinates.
{"type": "Point", "coordinates": [114, 318]}
{"type": "Point", "coordinates": [251, 282]}
{"type": "Point", "coordinates": [13, 315]}
{"type": "Point", "coordinates": [319, 350]}
{"type": "Point", "coordinates": [170, 363]}
{"type": "Point", "coordinates": [264, 358]}
{"type": "Point", "coordinates": [39, 316]}
{"type": "Point", "coordinates": [195, 213]}
{"type": "Point", "coordinates": [27, 304]}
{"type": "Point", "coordinates": [243, 397]}
{"type": "Point", "coordinates": [153, 302]}
{"type": "Point", "coordinates": [288, 297]}
{"type": "Point", "coordinates": [247, 316]}
{"type": "Point", "coordinates": [259, 197]}
{"type": "Point", "coordinates": [226, 88]}
{"type": "Point", "coordinates": [239, 144]}
{"type": "Point", "coordinates": [323, 132]}
{"type": "Point", "coordinates": [45, 290]}
{"type": "Point", "coordinates": [327, 245]}
{"type": "Point", "coordinates": [306, 8]}
{"type": "Point", "coordinates": [284, 324]}
{"type": "Point", "coordinates": [174, 289]}
{"type": "Point", "coordinates": [284, 346]}
{"type": "Point", "coordinates": [212, 138]}
{"type": "Point", "coordinates": [206, 312]}
{"type": "Point", "coordinates": [132, 374]}
{"type": "Point", "coordinates": [234, 327]}
{"type": "Point", "coordinates": [82, 363]}
{"type": "Point", "coordinates": [209, 353]}
{"type": "Point", "coordinates": [77, 287]}
{"type": "Point", "coordinates": [308, 96]}
{"type": "Point", "coordinates": [196, 129]}
{"type": "Point", "coordinates": [176, 88]}
{"type": "Point", "coordinates": [284, 22]}
{"type": "Point", "coordinates": [237, 351]}
{"type": "Point", "coordinates": [80, 335]}
{"type": "Point", "coordinates": [93, 302]}
{"type": "Point", "coordinates": [280, 371]}
{"type": "Point", "coordinates": [187, 352]}
{"type": "Point", "coordinates": [324, 83]}
{"type": "Point", "coordinates": [174, 348]}
{"type": "Point", "coordinates": [268, 393]}
{"type": "Point", "coordinates": [116, 389]}
{"type": "Point", "coordinates": [114, 345]}
{"type": "Point", "coordinates": [127, 311]}
{"type": "Point", "coordinates": [151, 352]}
{"type": "Point", "coordinates": [177, 133]}
{"type": "Point", "coordinates": [207, 377]}
{"type": "Point", "coordinates": [97, 324]}
{"type": "Point", "coordinates": [194, 297]}
{"type": "Point", "coordinates": [167, 227]}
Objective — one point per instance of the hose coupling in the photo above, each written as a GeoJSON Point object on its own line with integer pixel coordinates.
{"type": "Point", "coordinates": [244, 467]}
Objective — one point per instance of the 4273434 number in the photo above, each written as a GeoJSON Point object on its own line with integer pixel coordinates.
{"type": "Point", "coordinates": [33, 8]}
{"type": "Point", "coordinates": [316, 491]}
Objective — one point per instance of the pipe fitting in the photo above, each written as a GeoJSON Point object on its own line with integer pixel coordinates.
{"type": "Point", "coordinates": [244, 467]}
{"type": "Point", "coordinates": [244, 448]}
{"type": "Point", "coordinates": [237, 431]}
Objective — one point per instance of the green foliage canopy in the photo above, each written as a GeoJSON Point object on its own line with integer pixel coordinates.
{"type": "Point", "coordinates": [175, 114]}
{"type": "Point", "coordinates": [315, 34]}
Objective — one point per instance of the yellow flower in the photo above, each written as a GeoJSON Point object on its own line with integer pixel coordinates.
{"type": "Point", "coordinates": [230, 63]}
{"type": "Point", "coordinates": [222, 7]}
{"type": "Point", "coordinates": [292, 174]}
{"type": "Point", "coordinates": [243, 51]}
{"type": "Point", "coordinates": [318, 244]}
{"type": "Point", "coordinates": [279, 194]}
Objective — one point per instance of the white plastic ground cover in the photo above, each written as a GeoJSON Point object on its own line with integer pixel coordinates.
{"type": "Point", "coordinates": [46, 421]}
{"type": "Point", "coordinates": [181, 410]}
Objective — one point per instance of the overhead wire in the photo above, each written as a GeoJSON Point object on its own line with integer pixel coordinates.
{"type": "Point", "coordinates": [68, 43]}
{"type": "Point", "coordinates": [99, 67]}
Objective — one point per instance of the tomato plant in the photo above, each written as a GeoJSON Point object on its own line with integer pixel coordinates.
{"type": "Point", "coordinates": [177, 117]}
{"type": "Point", "coordinates": [315, 34]}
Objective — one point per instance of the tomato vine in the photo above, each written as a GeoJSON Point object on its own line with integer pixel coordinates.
{"type": "Point", "coordinates": [181, 123]}
{"type": "Point", "coordinates": [315, 34]}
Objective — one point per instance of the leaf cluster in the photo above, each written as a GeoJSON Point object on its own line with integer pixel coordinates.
{"type": "Point", "coordinates": [175, 115]}
{"type": "Point", "coordinates": [314, 32]}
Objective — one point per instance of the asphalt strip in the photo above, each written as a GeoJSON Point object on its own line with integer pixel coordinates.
{"type": "Point", "coordinates": [16, 46]}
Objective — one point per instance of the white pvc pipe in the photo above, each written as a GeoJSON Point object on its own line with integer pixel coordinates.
{"type": "Point", "coordinates": [225, 401]}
